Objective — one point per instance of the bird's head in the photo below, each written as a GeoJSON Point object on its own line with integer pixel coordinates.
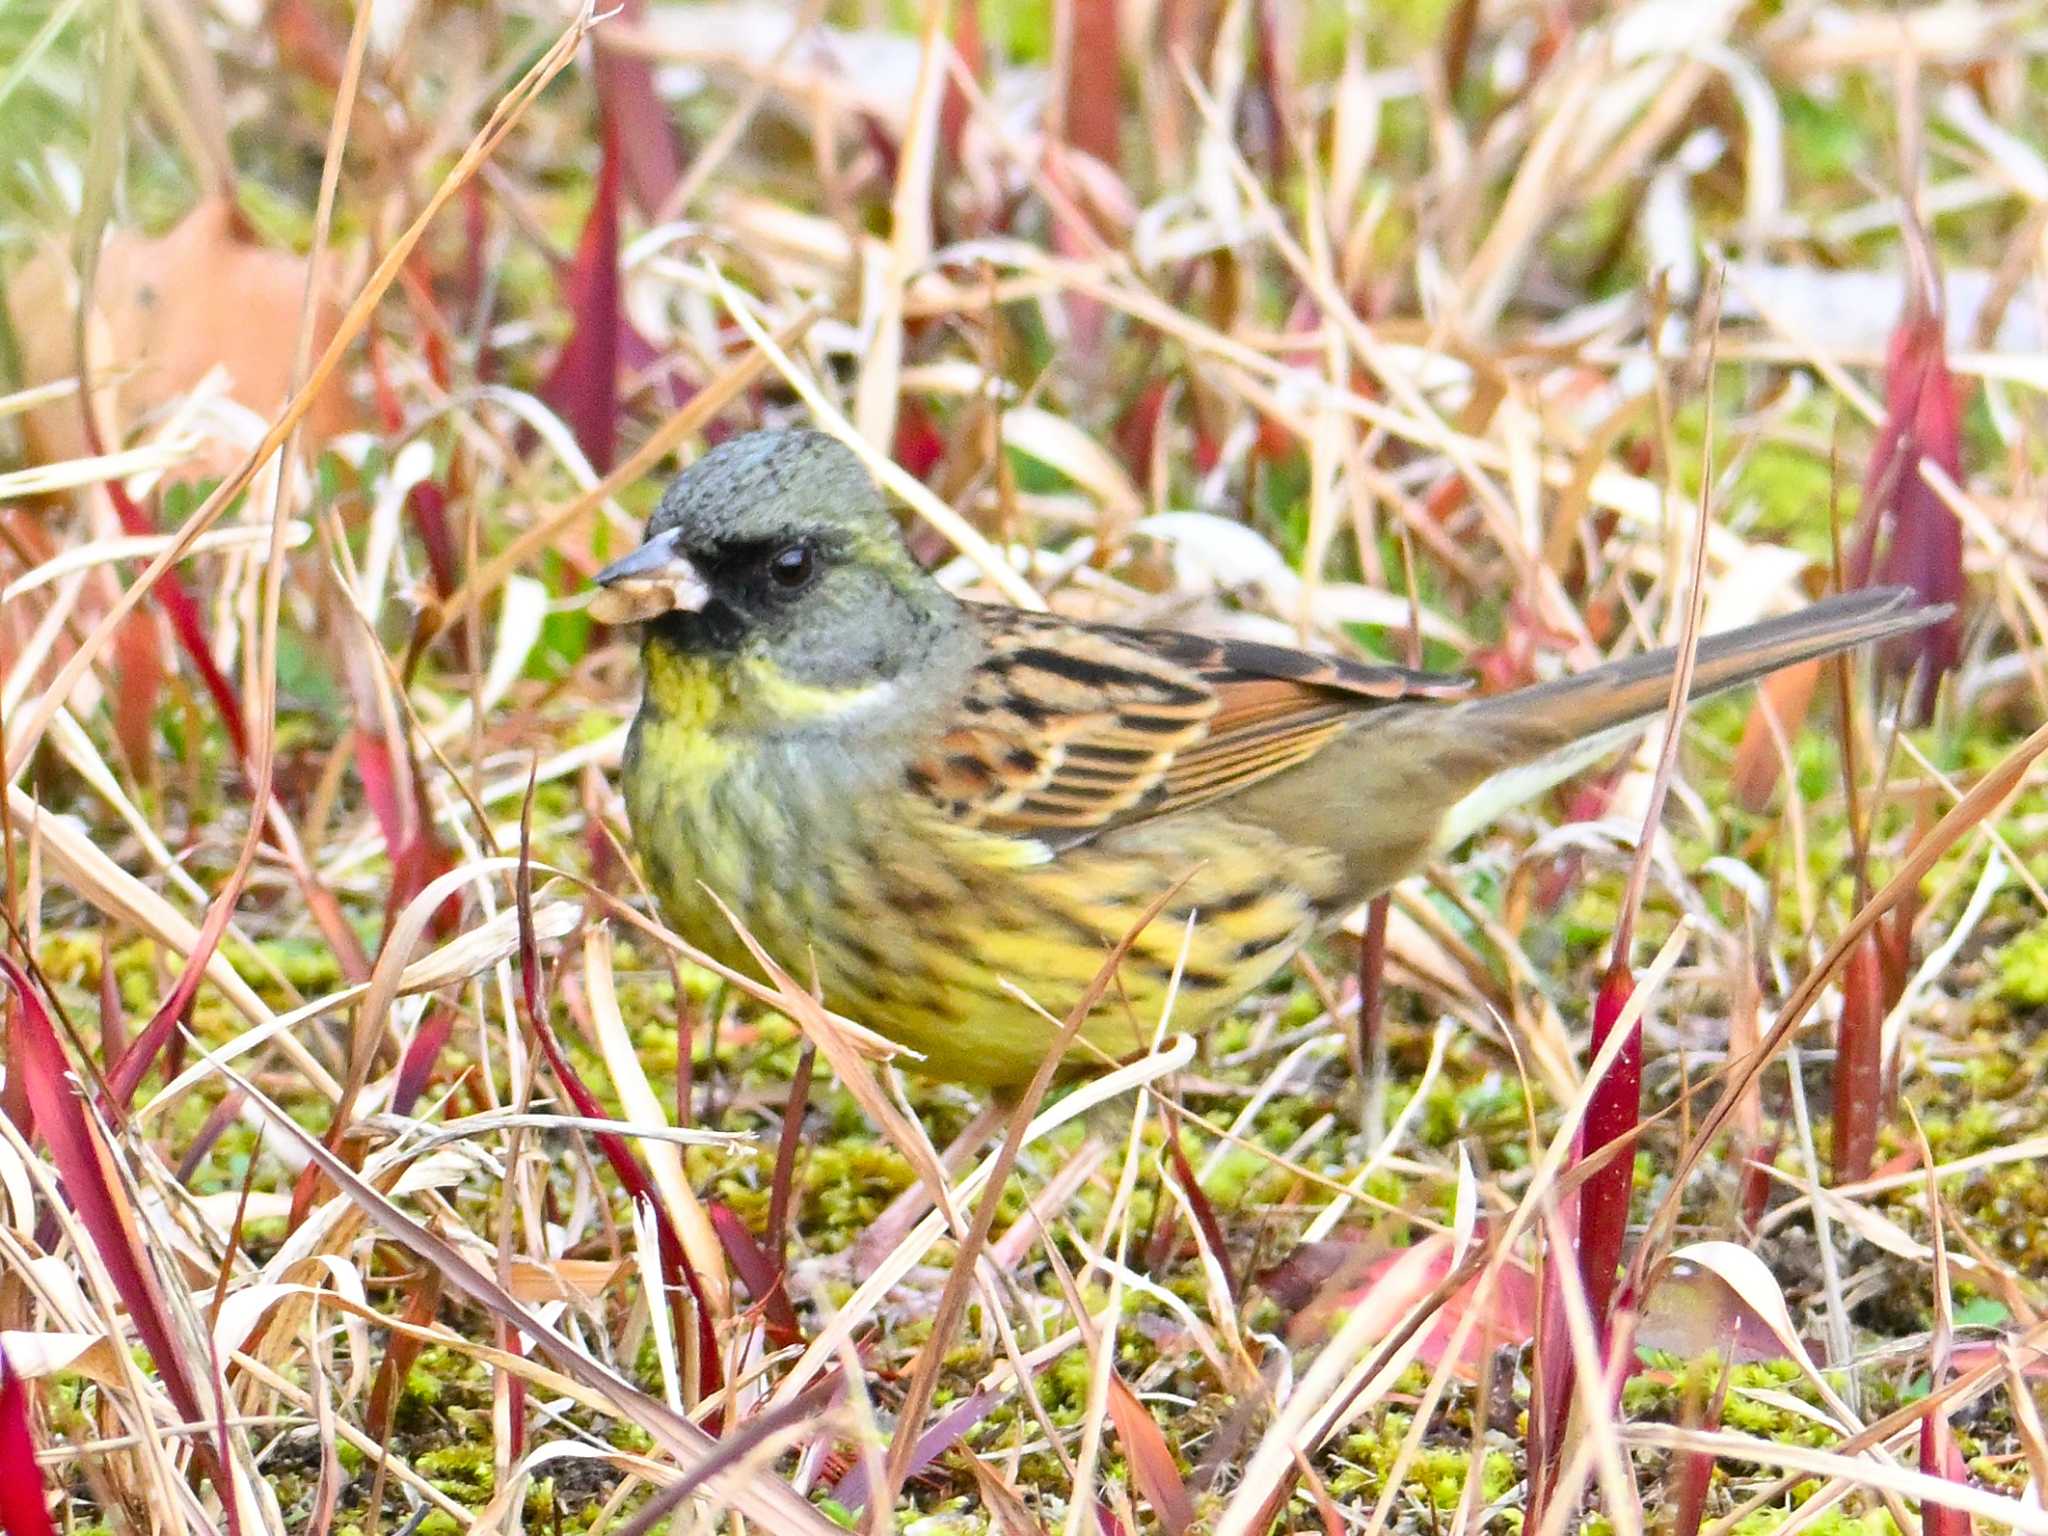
{"type": "Point", "coordinates": [776, 548]}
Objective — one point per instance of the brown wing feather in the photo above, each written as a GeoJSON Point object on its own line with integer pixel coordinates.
{"type": "Point", "coordinates": [1074, 727]}
{"type": "Point", "coordinates": [1251, 661]}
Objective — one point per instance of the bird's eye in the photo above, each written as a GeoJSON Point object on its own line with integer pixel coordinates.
{"type": "Point", "coordinates": [793, 566]}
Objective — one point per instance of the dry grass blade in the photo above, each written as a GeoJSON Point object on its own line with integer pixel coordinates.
{"type": "Point", "coordinates": [78, 1148]}
{"type": "Point", "coordinates": [758, 1438]}
{"type": "Point", "coordinates": [758, 1497]}
{"type": "Point", "coordinates": [910, 240]}
{"type": "Point", "coordinates": [1983, 801]}
{"type": "Point", "coordinates": [679, 1254]}
{"type": "Point", "coordinates": [2013, 1514]}
{"type": "Point", "coordinates": [893, 1266]}
{"type": "Point", "coordinates": [29, 730]}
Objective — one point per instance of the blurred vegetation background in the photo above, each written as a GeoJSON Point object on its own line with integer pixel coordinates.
{"type": "Point", "coordinates": [342, 344]}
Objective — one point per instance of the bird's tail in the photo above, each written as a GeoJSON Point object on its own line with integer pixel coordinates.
{"type": "Point", "coordinates": [1545, 734]}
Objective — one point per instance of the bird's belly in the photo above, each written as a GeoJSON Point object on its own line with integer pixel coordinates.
{"type": "Point", "coordinates": [969, 947]}
{"type": "Point", "coordinates": [725, 841]}
{"type": "Point", "coordinates": [995, 943]}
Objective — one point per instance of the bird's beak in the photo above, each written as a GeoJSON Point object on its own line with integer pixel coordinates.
{"type": "Point", "coordinates": [654, 579]}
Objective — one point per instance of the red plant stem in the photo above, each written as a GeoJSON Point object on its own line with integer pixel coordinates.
{"type": "Point", "coordinates": [1694, 1474]}
{"type": "Point", "coordinates": [1756, 1184]}
{"type": "Point", "coordinates": [139, 672]}
{"type": "Point", "coordinates": [676, 1267]}
{"type": "Point", "coordinates": [1611, 1116]}
{"type": "Point", "coordinates": [782, 1187]}
{"type": "Point", "coordinates": [24, 1506]}
{"type": "Point", "coordinates": [416, 282]}
{"type": "Point", "coordinates": [1198, 1203]}
{"type": "Point", "coordinates": [677, 1270]}
{"type": "Point", "coordinates": [629, 105]}
{"type": "Point", "coordinates": [422, 1301]}
{"type": "Point", "coordinates": [14, 1102]}
{"type": "Point", "coordinates": [1550, 1394]}
{"type": "Point", "coordinates": [1094, 100]}
{"type": "Point", "coordinates": [1593, 1220]}
{"type": "Point", "coordinates": [223, 1115]}
{"type": "Point", "coordinates": [113, 1013]}
{"type": "Point", "coordinates": [1939, 1457]}
{"type": "Point", "coordinates": [428, 504]}
{"type": "Point", "coordinates": [82, 1162]}
{"type": "Point", "coordinates": [583, 386]}
{"type": "Point", "coordinates": [1275, 100]}
{"type": "Point", "coordinates": [762, 1275]}
{"type": "Point", "coordinates": [475, 241]}
{"type": "Point", "coordinates": [513, 1342]}
{"type": "Point", "coordinates": [417, 1065]}
{"type": "Point", "coordinates": [955, 110]}
{"type": "Point", "coordinates": [389, 412]}
{"type": "Point", "coordinates": [127, 1073]}
{"type": "Point", "coordinates": [183, 613]}
{"type": "Point", "coordinates": [1859, 1063]}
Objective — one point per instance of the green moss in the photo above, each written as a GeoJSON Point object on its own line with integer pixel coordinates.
{"type": "Point", "coordinates": [1824, 140]}
{"type": "Point", "coordinates": [308, 964]}
{"type": "Point", "coordinates": [1064, 1387]}
{"type": "Point", "coordinates": [1833, 1522]}
{"type": "Point", "coordinates": [1442, 1474]}
{"type": "Point", "coordinates": [2023, 970]}
{"type": "Point", "coordinates": [71, 957]}
{"type": "Point", "coordinates": [1234, 1175]}
{"type": "Point", "coordinates": [462, 1470]}
{"type": "Point", "coordinates": [1792, 488]}
{"type": "Point", "coordinates": [422, 1390]}
{"type": "Point", "coordinates": [1436, 1475]}
{"type": "Point", "coordinates": [1746, 1414]}
{"type": "Point", "coordinates": [846, 1185]}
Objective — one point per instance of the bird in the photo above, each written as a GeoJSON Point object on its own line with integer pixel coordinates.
{"type": "Point", "coordinates": [946, 814]}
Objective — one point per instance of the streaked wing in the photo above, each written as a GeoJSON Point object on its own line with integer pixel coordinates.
{"type": "Point", "coordinates": [1075, 727]}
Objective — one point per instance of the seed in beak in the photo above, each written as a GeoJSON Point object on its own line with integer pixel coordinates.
{"type": "Point", "coordinates": [654, 579]}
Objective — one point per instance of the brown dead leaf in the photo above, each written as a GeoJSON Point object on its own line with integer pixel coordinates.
{"type": "Point", "coordinates": [166, 311]}
{"type": "Point", "coordinates": [1786, 697]}
{"type": "Point", "coordinates": [1320, 1279]}
{"type": "Point", "coordinates": [30, 1354]}
{"type": "Point", "coordinates": [1151, 1458]}
{"type": "Point", "coordinates": [1010, 1514]}
{"type": "Point", "coordinates": [562, 1279]}
{"type": "Point", "coordinates": [1693, 1310]}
